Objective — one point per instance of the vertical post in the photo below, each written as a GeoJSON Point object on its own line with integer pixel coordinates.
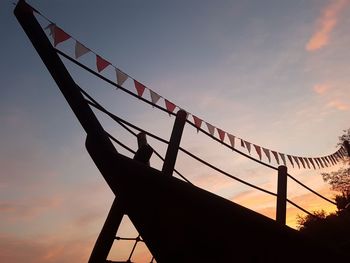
{"type": "Point", "coordinates": [347, 147]}
{"type": "Point", "coordinates": [142, 142]}
{"type": "Point", "coordinates": [174, 143]}
{"type": "Point", "coordinates": [281, 195]}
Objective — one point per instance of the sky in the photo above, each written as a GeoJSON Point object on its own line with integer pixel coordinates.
{"type": "Point", "coordinates": [274, 73]}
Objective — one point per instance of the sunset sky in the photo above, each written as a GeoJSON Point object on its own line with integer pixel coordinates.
{"type": "Point", "coordinates": [275, 73]}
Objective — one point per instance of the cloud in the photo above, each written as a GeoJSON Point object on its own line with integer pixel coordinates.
{"type": "Point", "coordinates": [13, 249]}
{"type": "Point", "coordinates": [321, 88]}
{"type": "Point", "coordinates": [326, 23]}
{"type": "Point", "coordinates": [339, 105]}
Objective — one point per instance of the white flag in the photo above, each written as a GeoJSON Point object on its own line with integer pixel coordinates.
{"type": "Point", "coordinates": [154, 96]}
{"type": "Point", "coordinates": [80, 49]}
{"type": "Point", "coordinates": [121, 77]}
{"type": "Point", "coordinates": [211, 129]}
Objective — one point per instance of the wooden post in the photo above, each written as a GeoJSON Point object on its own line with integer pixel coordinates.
{"type": "Point", "coordinates": [106, 237]}
{"type": "Point", "coordinates": [142, 142]}
{"type": "Point", "coordinates": [174, 143]}
{"type": "Point", "coordinates": [347, 147]}
{"type": "Point", "coordinates": [281, 195]}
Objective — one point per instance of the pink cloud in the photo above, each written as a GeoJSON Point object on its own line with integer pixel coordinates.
{"type": "Point", "coordinates": [321, 88]}
{"type": "Point", "coordinates": [14, 249]}
{"type": "Point", "coordinates": [326, 23]}
{"type": "Point", "coordinates": [339, 105]}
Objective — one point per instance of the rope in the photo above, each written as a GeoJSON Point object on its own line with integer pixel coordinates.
{"type": "Point", "coordinates": [311, 190]}
{"type": "Point", "coordinates": [159, 107]}
{"type": "Point", "coordinates": [302, 209]}
{"type": "Point", "coordinates": [119, 120]}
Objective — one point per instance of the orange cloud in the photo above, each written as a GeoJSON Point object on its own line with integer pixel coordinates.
{"type": "Point", "coordinates": [339, 105]}
{"type": "Point", "coordinates": [326, 24]}
{"type": "Point", "coordinates": [321, 88]}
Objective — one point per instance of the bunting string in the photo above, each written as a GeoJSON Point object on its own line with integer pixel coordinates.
{"type": "Point", "coordinates": [58, 35]}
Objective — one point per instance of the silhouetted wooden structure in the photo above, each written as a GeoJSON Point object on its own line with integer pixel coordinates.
{"type": "Point", "coordinates": [178, 221]}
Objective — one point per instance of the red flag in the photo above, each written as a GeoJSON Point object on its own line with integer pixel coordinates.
{"type": "Point", "coordinates": [258, 150]}
{"type": "Point", "coordinates": [169, 105]}
{"type": "Point", "coordinates": [197, 122]}
{"type": "Point", "coordinates": [221, 134]}
{"type": "Point", "coordinates": [140, 88]}
{"type": "Point", "coordinates": [59, 35]}
{"type": "Point", "coordinates": [101, 63]}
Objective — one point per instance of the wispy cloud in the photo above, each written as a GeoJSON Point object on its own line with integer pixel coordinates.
{"type": "Point", "coordinates": [325, 25]}
{"type": "Point", "coordinates": [338, 104]}
{"type": "Point", "coordinates": [321, 88]}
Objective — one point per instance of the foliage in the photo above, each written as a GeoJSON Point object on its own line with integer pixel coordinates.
{"type": "Point", "coordinates": [334, 228]}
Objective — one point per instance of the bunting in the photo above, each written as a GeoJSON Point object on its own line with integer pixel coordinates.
{"type": "Point", "coordinates": [140, 88]}
{"type": "Point", "coordinates": [290, 160]}
{"type": "Point", "coordinates": [232, 140]}
{"type": "Point", "coordinates": [197, 122]}
{"type": "Point", "coordinates": [283, 159]}
{"type": "Point", "coordinates": [211, 129]}
{"type": "Point", "coordinates": [221, 134]}
{"type": "Point", "coordinates": [80, 50]}
{"type": "Point", "coordinates": [276, 157]}
{"type": "Point", "coordinates": [59, 36]}
{"type": "Point", "coordinates": [101, 63]}
{"type": "Point", "coordinates": [121, 77]}
{"type": "Point", "coordinates": [296, 161]}
{"type": "Point", "coordinates": [247, 144]}
{"type": "Point", "coordinates": [169, 105]}
{"type": "Point", "coordinates": [267, 153]}
{"type": "Point", "coordinates": [258, 150]}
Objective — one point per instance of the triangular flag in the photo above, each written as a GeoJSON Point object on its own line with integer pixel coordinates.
{"type": "Point", "coordinates": [80, 49]}
{"type": "Point", "coordinates": [59, 35]}
{"type": "Point", "coordinates": [283, 159]}
{"type": "Point", "coordinates": [169, 105]}
{"type": "Point", "coordinates": [302, 162]}
{"type": "Point", "coordinates": [197, 122]}
{"type": "Point", "coordinates": [318, 165]}
{"type": "Point", "coordinates": [319, 160]}
{"type": "Point", "coordinates": [258, 151]}
{"type": "Point", "coordinates": [232, 140]}
{"type": "Point", "coordinates": [296, 161]}
{"type": "Point", "coordinates": [324, 161]}
{"type": "Point", "coordinates": [154, 96]}
{"type": "Point", "coordinates": [211, 128]}
{"type": "Point", "coordinates": [242, 143]}
{"type": "Point", "coordinates": [247, 144]}
{"type": "Point", "coordinates": [307, 163]}
{"type": "Point", "coordinates": [140, 88]}
{"type": "Point", "coordinates": [221, 134]}
{"type": "Point", "coordinates": [312, 163]}
{"type": "Point", "coordinates": [101, 63]}
{"type": "Point", "coordinates": [51, 28]}
{"type": "Point", "coordinates": [290, 160]}
{"type": "Point", "coordinates": [276, 157]}
{"type": "Point", "coordinates": [267, 153]}
{"type": "Point", "coordinates": [121, 77]}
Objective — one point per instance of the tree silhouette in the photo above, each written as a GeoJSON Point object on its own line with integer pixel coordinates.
{"type": "Point", "coordinates": [333, 228]}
